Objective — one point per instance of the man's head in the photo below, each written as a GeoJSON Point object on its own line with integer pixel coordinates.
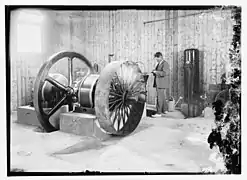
{"type": "Point", "coordinates": [158, 56]}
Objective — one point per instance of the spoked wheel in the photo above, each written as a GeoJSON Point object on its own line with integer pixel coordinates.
{"type": "Point", "coordinates": [120, 97]}
{"type": "Point", "coordinates": [67, 94]}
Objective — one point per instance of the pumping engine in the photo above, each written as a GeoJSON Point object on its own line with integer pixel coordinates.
{"type": "Point", "coordinates": [116, 96]}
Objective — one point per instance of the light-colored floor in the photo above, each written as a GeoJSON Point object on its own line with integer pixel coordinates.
{"type": "Point", "coordinates": [162, 144]}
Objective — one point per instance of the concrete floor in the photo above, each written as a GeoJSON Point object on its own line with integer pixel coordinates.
{"type": "Point", "coordinates": [164, 144]}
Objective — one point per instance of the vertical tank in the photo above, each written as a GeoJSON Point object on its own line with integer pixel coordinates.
{"type": "Point", "coordinates": [191, 81]}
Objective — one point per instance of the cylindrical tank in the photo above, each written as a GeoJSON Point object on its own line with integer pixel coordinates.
{"type": "Point", "coordinates": [191, 74]}
{"type": "Point", "coordinates": [86, 90]}
{"type": "Point", "coordinates": [191, 81]}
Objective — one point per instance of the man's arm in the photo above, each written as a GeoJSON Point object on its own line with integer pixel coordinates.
{"type": "Point", "coordinates": [160, 73]}
{"type": "Point", "coordinates": [165, 70]}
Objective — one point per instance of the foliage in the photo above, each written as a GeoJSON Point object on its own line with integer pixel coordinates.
{"type": "Point", "coordinates": [227, 134]}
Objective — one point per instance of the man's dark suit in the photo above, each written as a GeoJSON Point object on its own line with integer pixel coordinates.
{"type": "Point", "coordinates": [161, 83]}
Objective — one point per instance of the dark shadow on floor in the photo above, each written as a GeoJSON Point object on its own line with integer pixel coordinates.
{"type": "Point", "coordinates": [95, 144]}
{"type": "Point", "coordinates": [141, 127]}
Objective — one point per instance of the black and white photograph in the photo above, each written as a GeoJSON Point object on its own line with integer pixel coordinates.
{"type": "Point", "coordinates": [123, 90]}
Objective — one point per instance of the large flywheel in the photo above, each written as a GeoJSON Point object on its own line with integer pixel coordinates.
{"type": "Point", "coordinates": [47, 86]}
{"type": "Point", "coordinates": [120, 97]}
{"type": "Point", "coordinates": [116, 95]}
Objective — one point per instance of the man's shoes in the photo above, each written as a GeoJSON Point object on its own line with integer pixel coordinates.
{"type": "Point", "coordinates": [164, 113]}
{"type": "Point", "coordinates": [156, 115]}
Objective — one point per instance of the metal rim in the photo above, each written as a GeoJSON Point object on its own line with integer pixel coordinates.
{"type": "Point", "coordinates": [42, 77]}
{"type": "Point", "coordinates": [118, 94]}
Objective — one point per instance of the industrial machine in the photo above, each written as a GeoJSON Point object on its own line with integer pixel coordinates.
{"type": "Point", "coordinates": [116, 96]}
{"type": "Point", "coordinates": [192, 83]}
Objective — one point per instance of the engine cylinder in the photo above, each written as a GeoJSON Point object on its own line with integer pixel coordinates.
{"type": "Point", "coordinates": [48, 90]}
{"type": "Point", "coordinates": [86, 90]}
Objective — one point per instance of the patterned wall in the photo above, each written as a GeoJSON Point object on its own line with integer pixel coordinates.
{"type": "Point", "coordinates": [208, 31]}
{"type": "Point", "coordinates": [97, 34]}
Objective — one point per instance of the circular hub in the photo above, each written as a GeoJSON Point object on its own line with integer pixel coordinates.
{"type": "Point", "coordinates": [68, 94]}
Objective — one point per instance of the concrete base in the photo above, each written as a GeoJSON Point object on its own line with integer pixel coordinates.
{"type": "Point", "coordinates": [82, 124]}
{"type": "Point", "coordinates": [27, 115]}
{"type": "Point", "coordinates": [70, 122]}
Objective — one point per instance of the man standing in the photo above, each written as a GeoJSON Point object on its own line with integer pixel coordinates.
{"type": "Point", "coordinates": [161, 83]}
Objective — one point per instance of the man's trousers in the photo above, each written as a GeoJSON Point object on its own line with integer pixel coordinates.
{"type": "Point", "coordinates": [161, 103]}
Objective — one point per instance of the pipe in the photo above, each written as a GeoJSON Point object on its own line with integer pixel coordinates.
{"type": "Point", "coordinates": [207, 11]}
